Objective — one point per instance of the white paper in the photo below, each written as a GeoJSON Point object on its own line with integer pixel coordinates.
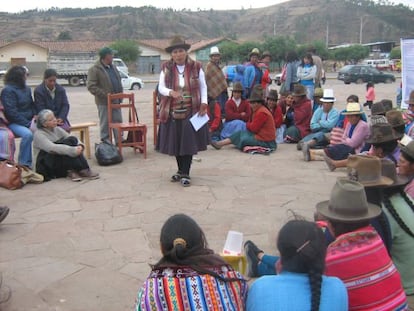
{"type": "Point", "coordinates": [198, 121]}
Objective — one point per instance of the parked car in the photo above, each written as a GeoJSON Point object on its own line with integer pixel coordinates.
{"type": "Point", "coordinates": [131, 83]}
{"type": "Point", "coordinates": [362, 74]}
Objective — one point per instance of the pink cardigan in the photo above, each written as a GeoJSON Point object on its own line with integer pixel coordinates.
{"type": "Point", "coordinates": [359, 136]}
{"type": "Point", "coordinates": [370, 94]}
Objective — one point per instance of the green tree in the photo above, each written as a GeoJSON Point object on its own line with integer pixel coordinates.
{"type": "Point", "coordinates": [64, 36]}
{"type": "Point", "coordinates": [395, 53]}
{"type": "Point", "coordinates": [128, 50]}
{"type": "Point", "coordinates": [229, 52]}
{"type": "Point", "coordinates": [354, 52]}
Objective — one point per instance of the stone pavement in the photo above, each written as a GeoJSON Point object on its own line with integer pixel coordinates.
{"type": "Point", "coordinates": [69, 246]}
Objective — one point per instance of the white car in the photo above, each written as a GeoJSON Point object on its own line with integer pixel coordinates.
{"type": "Point", "coordinates": [131, 83]}
{"type": "Point", "coordinates": [2, 72]}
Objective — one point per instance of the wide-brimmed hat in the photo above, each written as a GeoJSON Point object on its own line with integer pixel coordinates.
{"type": "Point", "coordinates": [318, 92]}
{"type": "Point", "coordinates": [348, 203]}
{"type": "Point", "coordinates": [237, 87]}
{"type": "Point", "coordinates": [378, 119]}
{"type": "Point", "coordinates": [352, 108]}
{"type": "Point", "coordinates": [254, 51]}
{"type": "Point", "coordinates": [328, 96]}
{"type": "Point", "coordinates": [377, 108]}
{"type": "Point", "coordinates": [272, 95]}
{"type": "Point", "coordinates": [381, 133]}
{"type": "Point", "coordinates": [214, 51]}
{"type": "Point", "coordinates": [387, 103]}
{"type": "Point", "coordinates": [257, 94]}
{"type": "Point", "coordinates": [266, 53]}
{"type": "Point", "coordinates": [105, 51]}
{"type": "Point", "coordinates": [366, 170]}
{"type": "Point", "coordinates": [176, 43]}
{"type": "Point", "coordinates": [410, 100]}
{"type": "Point", "coordinates": [395, 118]}
{"type": "Point", "coordinates": [299, 90]}
{"type": "Point", "coordinates": [388, 169]}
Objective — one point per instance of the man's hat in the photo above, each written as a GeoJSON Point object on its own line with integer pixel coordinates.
{"type": "Point", "coordinates": [176, 43]}
{"type": "Point", "coordinates": [377, 108]}
{"type": "Point", "coordinates": [255, 51]}
{"type": "Point", "coordinates": [410, 100]}
{"type": "Point", "coordinates": [366, 170]}
{"type": "Point", "coordinates": [237, 87]}
{"type": "Point", "coordinates": [214, 51]}
{"type": "Point", "coordinates": [389, 170]}
{"type": "Point", "coordinates": [266, 53]}
{"type": "Point", "coordinates": [381, 133]}
{"type": "Point", "coordinates": [352, 108]}
{"type": "Point", "coordinates": [299, 90]}
{"type": "Point", "coordinates": [257, 94]}
{"type": "Point", "coordinates": [328, 96]}
{"type": "Point", "coordinates": [348, 203]}
{"type": "Point", "coordinates": [408, 149]}
{"type": "Point", "coordinates": [105, 51]}
{"type": "Point", "coordinates": [318, 92]}
{"type": "Point", "coordinates": [272, 95]}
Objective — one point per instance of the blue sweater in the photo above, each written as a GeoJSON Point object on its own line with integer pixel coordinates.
{"type": "Point", "coordinates": [322, 122]}
{"type": "Point", "coordinates": [18, 104]}
{"type": "Point", "coordinates": [291, 292]}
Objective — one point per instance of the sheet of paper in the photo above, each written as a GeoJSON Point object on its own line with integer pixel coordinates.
{"type": "Point", "coordinates": [198, 121]}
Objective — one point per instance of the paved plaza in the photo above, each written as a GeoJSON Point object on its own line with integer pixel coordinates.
{"type": "Point", "coordinates": [87, 246]}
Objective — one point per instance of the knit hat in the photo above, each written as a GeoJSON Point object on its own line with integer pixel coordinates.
{"type": "Point", "coordinates": [177, 42]}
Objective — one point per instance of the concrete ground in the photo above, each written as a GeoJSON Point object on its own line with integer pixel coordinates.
{"type": "Point", "coordinates": [69, 246]}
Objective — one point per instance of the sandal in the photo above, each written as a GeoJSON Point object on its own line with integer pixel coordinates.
{"type": "Point", "coordinates": [185, 181]}
{"type": "Point", "coordinates": [176, 177]}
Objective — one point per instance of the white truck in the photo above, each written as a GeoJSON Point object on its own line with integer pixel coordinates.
{"type": "Point", "coordinates": [74, 66]}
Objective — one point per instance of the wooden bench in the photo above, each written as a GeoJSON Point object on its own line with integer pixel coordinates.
{"type": "Point", "coordinates": [83, 129]}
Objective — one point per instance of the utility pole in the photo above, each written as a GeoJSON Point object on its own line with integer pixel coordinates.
{"type": "Point", "coordinates": [327, 34]}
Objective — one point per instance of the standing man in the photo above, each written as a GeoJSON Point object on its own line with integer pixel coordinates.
{"type": "Point", "coordinates": [104, 79]}
{"type": "Point", "coordinates": [216, 81]}
{"type": "Point", "coordinates": [317, 61]}
{"type": "Point", "coordinates": [252, 74]}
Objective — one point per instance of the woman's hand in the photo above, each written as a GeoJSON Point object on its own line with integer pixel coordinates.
{"type": "Point", "coordinates": [59, 121]}
{"type": "Point", "coordinates": [203, 110]}
{"type": "Point", "coordinates": [175, 94]}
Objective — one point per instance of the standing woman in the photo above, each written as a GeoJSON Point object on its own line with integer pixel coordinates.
{"type": "Point", "coordinates": [51, 95]}
{"type": "Point", "coordinates": [183, 91]}
{"type": "Point", "coordinates": [290, 77]}
{"type": "Point", "coordinates": [306, 74]}
{"type": "Point", "coordinates": [19, 110]}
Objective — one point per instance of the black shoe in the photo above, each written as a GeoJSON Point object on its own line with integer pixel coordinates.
{"type": "Point", "coordinates": [251, 251]}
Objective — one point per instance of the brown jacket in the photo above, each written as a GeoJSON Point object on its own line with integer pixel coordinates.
{"type": "Point", "coordinates": [99, 83]}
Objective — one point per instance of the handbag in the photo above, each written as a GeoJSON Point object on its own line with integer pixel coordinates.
{"type": "Point", "coordinates": [29, 176]}
{"type": "Point", "coordinates": [107, 154]}
{"type": "Point", "coordinates": [10, 175]}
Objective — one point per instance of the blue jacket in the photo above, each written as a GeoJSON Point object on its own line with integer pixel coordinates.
{"type": "Point", "coordinates": [59, 105]}
{"type": "Point", "coordinates": [18, 104]}
{"type": "Point", "coordinates": [252, 75]}
{"type": "Point", "coordinates": [322, 122]}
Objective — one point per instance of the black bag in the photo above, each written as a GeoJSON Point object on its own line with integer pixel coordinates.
{"type": "Point", "coordinates": [107, 154]}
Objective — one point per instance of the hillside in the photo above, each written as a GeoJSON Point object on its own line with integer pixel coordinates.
{"type": "Point", "coordinates": [305, 20]}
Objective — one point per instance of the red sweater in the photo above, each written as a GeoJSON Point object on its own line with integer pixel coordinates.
{"type": "Point", "coordinates": [234, 113]}
{"type": "Point", "coordinates": [277, 116]}
{"type": "Point", "coordinates": [215, 120]}
{"type": "Point", "coordinates": [302, 116]}
{"type": "Point", "coordinates": [262, 125]}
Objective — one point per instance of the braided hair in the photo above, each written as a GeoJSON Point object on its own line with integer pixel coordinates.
{"type": "Point", "coordinates": [390, 207]}
{"type": "Point", "coordinates": [302, 249]}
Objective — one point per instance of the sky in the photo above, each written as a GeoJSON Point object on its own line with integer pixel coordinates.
{"type": "Point", "coordinates": [19, 6]}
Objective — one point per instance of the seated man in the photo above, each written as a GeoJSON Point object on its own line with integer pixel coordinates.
{"type": "Point", "coordinates": [357, 256]}
{"type": "Point", "coordinates": [322, 122]}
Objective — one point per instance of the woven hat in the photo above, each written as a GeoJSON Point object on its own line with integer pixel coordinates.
{"type": "Point", "coordinates": [410, 100]}
{"type": "Point", "coordinates": [176, 43]}
{"type": "Point", "coordinates": [214, 51]}
{"type": "Point", "coordinates": [328, 96]}
{"type": "Point", "coordinates": [348, 203]}
{"type": "Point", "coordinates": [408, 149]}
{"type": "Point", "coordinates": [366, 170]}
{"type": "Point", "coordinates": [395, 118]}
{"type": "Point", "coordinates": [378, 119]}
{"type": "Point", "coordinates": [381, 133]}
{"type": "Point", "coordinates": [257, 94]}
{"type": "Point", "coordinates": [299, 90]}
{"type": "Point", "coordinates": [272, 95]}
{"type": "Point", "coordinates": [352, 108]}
{"type": "Point", "coordinates": [105, 51]}
{"type": "Point", "coordinates": [318, 92]}
{"type": "Point", "coordinates": [237, 87]}
{"type": "Point", "coordinates": [377, 108]}
{"type": "Point", "coordinates": [255, 51]}
{"type": "Point", "coordinates": [389, 170]}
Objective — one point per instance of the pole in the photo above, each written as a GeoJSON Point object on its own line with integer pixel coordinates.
{"type": "Point", "coordinates": [327, 34]}
{"type": "Point", "coordinates": [360, 30]}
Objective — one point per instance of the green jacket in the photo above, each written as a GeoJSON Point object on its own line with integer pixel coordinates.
{"type": "Point", "coordinates": [99, 83]}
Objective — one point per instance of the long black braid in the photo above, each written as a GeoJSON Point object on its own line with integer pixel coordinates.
{"type": "Point", "coordinates": [315, 280]}
{"type": "Point", "coordinates": [390, 207]}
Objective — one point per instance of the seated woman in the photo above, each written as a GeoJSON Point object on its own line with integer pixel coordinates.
{"type": "Point", "coordinates": [261, 129]}
{"type": "Point", "coordinates": [58, 154]}
{"type": "Point", "coordinates": [7, 145]}
{"type": "Point", "coordinates": [189, 276]}
{"type": "Point", "coordinates": [300, 283]}
{"type": "Point", "coordinates": [238, 112]}
{"type": "Point", "coordinates": [19, 110]}
{"type": "Point", "coordinates": [406, 166]}
{"type": "Point", "coordinates": [277, 114]}
{"type": "Point", "coordinates": [51, 95]}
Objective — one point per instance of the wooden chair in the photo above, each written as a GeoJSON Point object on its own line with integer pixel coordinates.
{"type": "Point", "coordinates": [155, 115]}
{"type": "Point", "coordinates": [137, 131]}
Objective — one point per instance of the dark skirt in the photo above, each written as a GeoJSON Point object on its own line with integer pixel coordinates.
{"type": "Point", "coordinates": [339, 152]}
{"type": "Point", "coordinates": [178, 138]}
{"type": "Point", "coordinates": [242, 139]}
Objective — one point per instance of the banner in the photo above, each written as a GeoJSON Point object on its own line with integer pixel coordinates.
{"type": "Point", "coordinates": [407, 70]}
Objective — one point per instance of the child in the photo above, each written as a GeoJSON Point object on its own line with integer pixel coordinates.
{"type": "Point", "coordinates": [369, 95]}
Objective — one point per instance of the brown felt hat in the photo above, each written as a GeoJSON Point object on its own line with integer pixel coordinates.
{"type": "Point", "coordinates": [237, 87]}
{"type": "Point", "coordinates": [389, 170]}
{"type": "Point", "coordinates": [272, 95]}
{"type": "Point", "coordinates": [408, 149]}
{"type": "Point", "coordinates": [176, 43]}
{"type": "Point", "coordinates": [395, 118]}
{"type": "Point", "coordinates": [377, 108]}
{"type": "Point", "coordinates": [348, 203]}
{"type": "Point", "coordinates": [366, 170]}
{"type": "Point", "coordinates": [381, 133]}
{"type": "Point", "coordinates": [257, 94]}
{"type": "Point", "coordinates": [299, 90]}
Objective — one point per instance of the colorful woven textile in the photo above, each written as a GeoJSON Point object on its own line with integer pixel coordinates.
{"type": "Point", "coordinates": [361, 261]}
{"type": "Point", "coordinates": [179, 289]}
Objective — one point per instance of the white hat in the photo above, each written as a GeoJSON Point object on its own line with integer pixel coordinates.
{"type": "Point", "coordinates": [328, 96]}
{"type": "Point", "coordinates": [214, 51]}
